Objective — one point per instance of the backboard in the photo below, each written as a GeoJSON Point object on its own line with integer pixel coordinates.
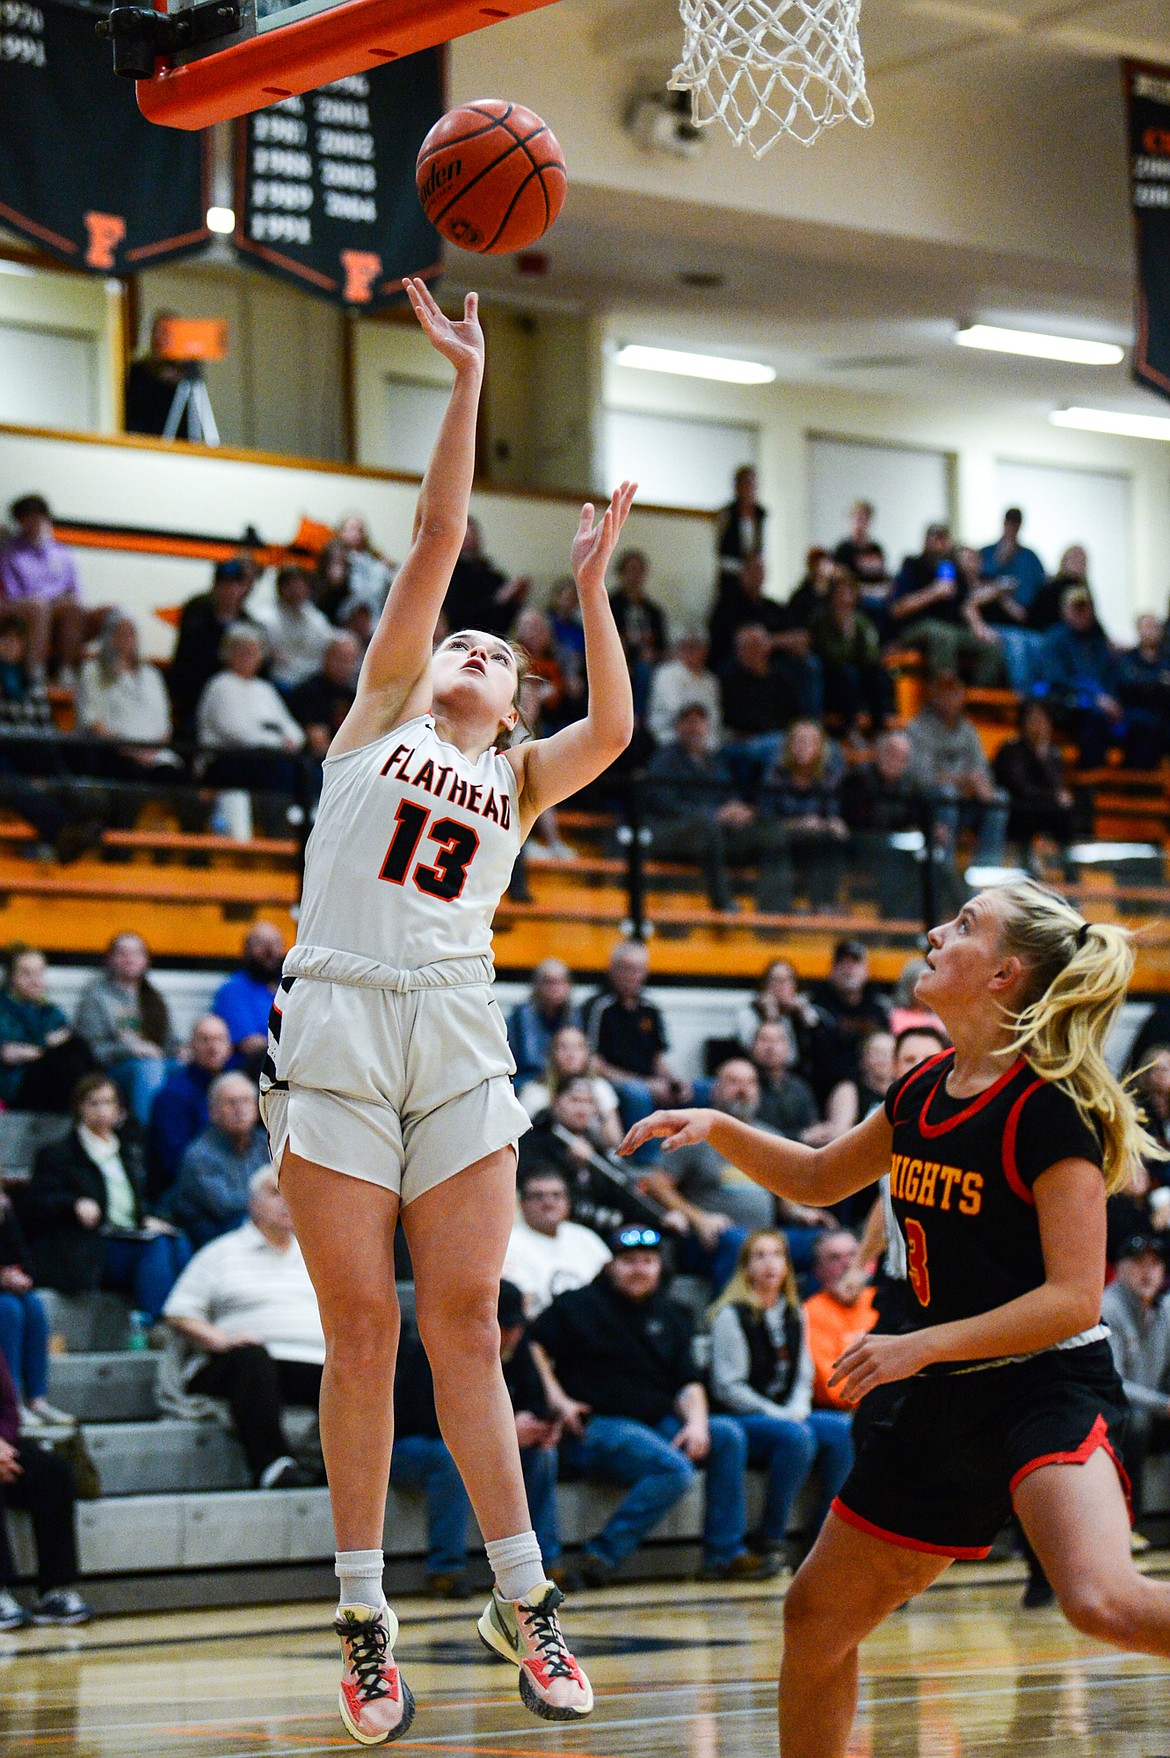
{"type": "Point", "coordinates": [243, 55]}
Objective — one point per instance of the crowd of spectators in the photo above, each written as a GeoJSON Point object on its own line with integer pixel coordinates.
{"type": "Point", "coordinates": [664, 1323]}
{"type": "Point", "coordinates": [751, 725]}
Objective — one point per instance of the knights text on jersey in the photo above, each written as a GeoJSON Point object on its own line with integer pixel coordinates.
{"type": "Point", "coordinates": [961, 1180]}
{"type": "Point", "coordinates": [412, 850]}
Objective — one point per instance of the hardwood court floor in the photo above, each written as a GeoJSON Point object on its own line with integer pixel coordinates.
{"type": "Point", "coordinates": [681, 1671]}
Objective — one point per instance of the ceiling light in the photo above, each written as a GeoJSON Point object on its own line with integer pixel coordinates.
{"type": "Point", "coordinates": [221, 220]}
{"type": "Point", "coordinates": [1071, 348]}
{"type": "Point", "coordinates": [1155, 427]}
{"type": "Point", "coordinates": [717, 366]}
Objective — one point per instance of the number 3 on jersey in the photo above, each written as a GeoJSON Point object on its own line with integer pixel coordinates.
{"type": "Point", "coordinates": [457, 844]}
{"type": "Point", "coordinates": [916, 1266]}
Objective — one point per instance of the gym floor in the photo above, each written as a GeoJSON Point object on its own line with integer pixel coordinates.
{"type": "Point", "coordinates": [680, 1670]}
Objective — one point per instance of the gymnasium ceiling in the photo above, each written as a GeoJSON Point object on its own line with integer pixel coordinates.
{"type": "Point", "coordinates": [993, 186]}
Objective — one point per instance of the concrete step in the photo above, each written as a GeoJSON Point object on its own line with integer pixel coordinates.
{"type": "Point", "coordinates": [167, 1456]}
{"type": "Point", "coordinates": [105, 1387]}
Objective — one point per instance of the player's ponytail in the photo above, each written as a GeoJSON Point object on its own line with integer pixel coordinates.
{"type": "Point", "coordinates": [1080, 972]}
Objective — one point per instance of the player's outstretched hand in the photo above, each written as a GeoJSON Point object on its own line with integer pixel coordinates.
{"type": "Point", "coordinates": [459, 342]}
{"type": "Point", "coordinates": [594, 544]}
{"type": "Point", "coordinates": [674, 1129]}
{"type": "Point", "coordinates": [875, 1361]}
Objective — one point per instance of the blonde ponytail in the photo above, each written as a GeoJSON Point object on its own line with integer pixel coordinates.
{"type": "Point", "coordinates": [1080, 973]}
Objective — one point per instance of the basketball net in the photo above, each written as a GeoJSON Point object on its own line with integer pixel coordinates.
{"type": "Point", "coordinates": [793, 67]}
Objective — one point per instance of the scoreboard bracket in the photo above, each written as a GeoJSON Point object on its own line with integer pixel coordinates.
{"type": "Point", "coordinates": [141, 36]}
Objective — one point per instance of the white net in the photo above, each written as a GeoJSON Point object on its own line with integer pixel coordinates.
{"type": "Point", "coordinates": [793, 67]}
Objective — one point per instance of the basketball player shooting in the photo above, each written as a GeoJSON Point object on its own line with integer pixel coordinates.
{"type": "Point", "coordinates": [386, 1090]}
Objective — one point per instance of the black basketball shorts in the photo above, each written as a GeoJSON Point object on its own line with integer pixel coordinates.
{"type": "Point", "coordinates": [938, 1470]}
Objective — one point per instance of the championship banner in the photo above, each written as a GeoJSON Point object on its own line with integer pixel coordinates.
{"type": "Point", "coordinates": [83, 174]}
{"type": "Point", "coordinates": [325, 183]}
{"type": "Point", "coordinates": [1147, 91]}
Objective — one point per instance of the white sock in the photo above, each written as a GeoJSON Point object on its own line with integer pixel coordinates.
{"type": "Point", "coordinates": [360, 1574]}
{"type": "Point", "coordinates": [516, 1563]}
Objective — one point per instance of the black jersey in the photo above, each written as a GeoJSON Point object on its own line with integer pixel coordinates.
{"type": "Point", "coordinates": [961, 1180]}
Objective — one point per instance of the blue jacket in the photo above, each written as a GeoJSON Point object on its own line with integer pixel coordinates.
{"type": "Point", "coordinates": [530, 1037]}
{"type": "Point", "coordinates": [177, 1115]}
{"type": "Point", "coordinates": [1075, 665]}
{"type": "Point", "coordinates": [244, 1003]}
{"type": "Point", "coordinates": [211, 1192]}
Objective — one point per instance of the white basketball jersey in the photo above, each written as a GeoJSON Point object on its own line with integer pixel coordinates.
{"type": "Point", "coordinates": [412, 850]}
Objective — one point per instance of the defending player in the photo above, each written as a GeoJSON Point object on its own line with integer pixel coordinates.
{"type": "Point", "coordinates": [387, 1086]}
{"type": "Point", "coordinates": [1000, 1152]}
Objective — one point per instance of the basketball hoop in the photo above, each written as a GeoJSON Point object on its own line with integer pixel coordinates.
{"type": "Point", "coordinates": [791, 67]}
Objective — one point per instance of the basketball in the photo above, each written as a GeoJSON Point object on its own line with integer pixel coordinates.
{"type": "Point", "coordinates": [491, 176]}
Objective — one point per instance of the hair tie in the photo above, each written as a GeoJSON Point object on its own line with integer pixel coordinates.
{"type": "Point", "coordinates": [1082, 935]}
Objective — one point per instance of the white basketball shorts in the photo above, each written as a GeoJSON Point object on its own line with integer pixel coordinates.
{"type": "Point", "coordinates": [401, 1086]}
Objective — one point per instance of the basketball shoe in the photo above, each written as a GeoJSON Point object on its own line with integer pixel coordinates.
{"type": "Point", "coordinates": [375, 1700]}
{"type": "Point", "coordinates": [528, 1633]}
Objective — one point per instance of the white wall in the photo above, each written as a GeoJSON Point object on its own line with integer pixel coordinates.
{"type": "Point", "coordinates": [1104, 521]}
{"type": "Point", "coordinates": [906, 485]}
{"type": "Point", "coordinates": [147, 483]}
{"type": "Point", "coordinates": [48, 322]}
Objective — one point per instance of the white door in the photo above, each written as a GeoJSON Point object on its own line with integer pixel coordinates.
{"type": "Point", "coordinates": [1062, 507]}
{"type": "Point", "coordinates": [908, 488]}
{"type": "Point", "coordinates": [48, 378]}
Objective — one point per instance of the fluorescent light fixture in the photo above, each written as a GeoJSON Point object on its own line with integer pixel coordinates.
{"type": "Point", "coordinates": [1039, 347]}
{"type": "Point", "coordinates": [717, 366]}
{"type": "Point", "coordinates": [1155, 427]}
{"type": "Point", "coordinates": [221, 220]}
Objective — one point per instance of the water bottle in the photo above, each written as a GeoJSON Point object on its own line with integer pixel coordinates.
{"type": "Point", "coordinates": [138, 1331]}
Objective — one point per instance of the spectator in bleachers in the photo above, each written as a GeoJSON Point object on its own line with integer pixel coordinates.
{"type": "Point", "coordinates": [84, 1208]}
{"type": "Point", "coordinates": [203, 623]}
{"type": "Point", "coordinates": [532, 1024]}
{"type": "Point", "coordinates": [368, 573]}
{"type": "Point", "coordinates": [1143, 689]}
{"type": "Point", "coordinates": [121, 698]}
{"type": "Point", "coordinates": [856, 685]}
{"type": "Point", "coordinates": [246, 1312]}
{"type": "Point", "coordinates": [780, 998]}
{"type": "Point", "coordinates": [211, 1191]}
{"type": "Point", "coordinates": [421, 1461]}
{"type": "Point", "coordinates": [298, 633]}
{"type": "Point", "coordinates": [628, 1037]}
{"type": "Point", "coordinates": [739, 529]}
{"type": "Point", "coordinates": [951, 768]}
{"type": "Point", "coordinates": [618, 1356]}
{"type": "Point", "coordinates": [882, 807]}
{"type": "Point", "coordinates": [547, 1252]}
{"type": "Point", "coordinates": [853, 1008]}
{"type": "Point", "coordinates": [28, 736]}
{"type": "Point", "coordinates": [861, 553]}
{"type": "Point", "coordinates": [244, 1000]}
{"type": "Point", "coordinates": [762, 694]}
{"type": "Point", "coordinates": [809, 597]}
{"type": "Point", "coordinates": [563, 698]}
{"type": "Point", "coordinates": [330, 588]}
{"type": "Point", "coordinates": [802, 797]}
{"type": "Point", "coordinates": [787, 1103]}
{"type": "Point", "coordinates": [1077, 670]}
{"type": "Point", "coordinates": [762, 1376]}
{"type": "Point", "coordinates": [1073, 571]}
{"type": "Point", "coordinates": [742, 600]}
{"type": "Point", "coordinates": [1030, 770]}
{"type": "Point", "coordinates": [24, 1327]}
{"type": "Point", "coordinates": [1135, 1309]}
{"type": "Point", "coordinates": [841, 1311]}
{"type": "Point", "coordinates": [243, 718]}
{"type": "Point", "coordinates": [41, 1056]}
{"type": "Point", "coordinates": [481, 596]}
{"type": "Point", "coordinates": [35, 1479]}
{"type": "Point", "coordinates": [571, 1139]}
{"type": "Point", "coordinates": [179, 1111]}
{"type": "Point", "coordinates": [564, 614]}
{"type": "Point", "coordinates": [126, 1023]}
{"type": "Point", "coordinates": [930, 608]}
{"type": "Point", "coordinates": [701, 1186]}
{"type": "Point", "coordinates": [321, 701]}
{"type": "Point", "coordinates": [1011, 565]}
{"type": "Point", "coordinates": [569, 1059]}
{"type": "Point", "coordinates": [684, 681]}
{"type": "Point", "coordinates": [641, 621]}
{"type": "Point", "coordinates": [1005, 615]}
{"type": "Point", "coordinates": [39, 585]}
{"type": "Point", "coordinates": [848, 1104]}
{"type": "Point", "coordinates": [694, 814]}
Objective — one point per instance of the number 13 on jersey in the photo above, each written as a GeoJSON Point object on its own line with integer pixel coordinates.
{"type": "Point", "coordinates": [456, 842]}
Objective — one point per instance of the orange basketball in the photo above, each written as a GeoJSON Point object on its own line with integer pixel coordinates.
{"type": "Point", "coordinates": [491, 176]}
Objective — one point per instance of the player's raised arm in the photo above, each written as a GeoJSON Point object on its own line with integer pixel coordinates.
{"type": "Point", "coordinates": [549, 770]}
{"type": "Point", "coordinates": [399, 655]}
{"type": "Point", "coordinates": [813, 1176]}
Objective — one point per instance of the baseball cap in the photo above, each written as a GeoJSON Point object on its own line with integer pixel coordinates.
{"type": "Point", "coordinates": [1137, 1245]}
{"type": "Point", "coordinates": [848, 949]}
